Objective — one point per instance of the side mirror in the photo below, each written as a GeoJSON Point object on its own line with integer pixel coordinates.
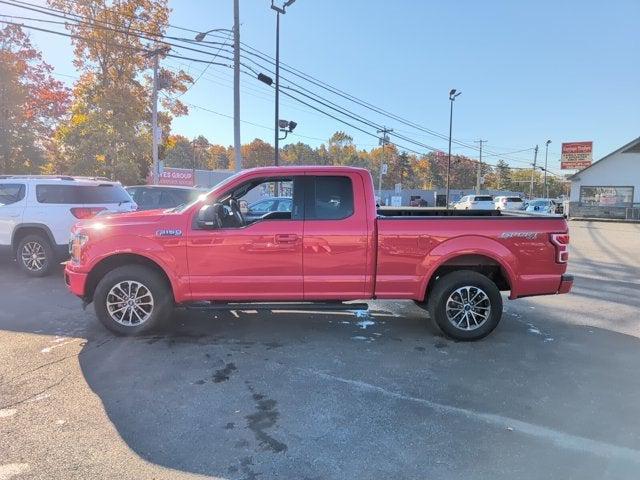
{"type": "Point", "coordinates": [210, 216]}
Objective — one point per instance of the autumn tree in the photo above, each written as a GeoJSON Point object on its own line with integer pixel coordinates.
{"type": "Point", "coordinates": [500, 177]}
{"type": "Point", "coordinates": [220, 158]}
{"type": "Point", "coordinates": [258, 153]}
{"type": "Point", "coordinates": [299, 154]}
{"type": "Point", "coordinates": [31, 103]}
{"type": "Point", "coordinates": [108, 132]}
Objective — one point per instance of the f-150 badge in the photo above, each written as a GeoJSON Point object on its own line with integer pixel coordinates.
{"type": "Point", "coordinates": [169, 232]}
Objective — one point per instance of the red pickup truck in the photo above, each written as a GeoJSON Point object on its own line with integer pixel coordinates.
{"type": "Point", "coordinates": [329, 244]}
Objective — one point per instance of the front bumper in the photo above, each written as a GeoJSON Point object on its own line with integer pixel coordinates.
{"type": "Point", "coordinates": [566, 282]}
{"type": "Point", "coordinates": [76, 281]}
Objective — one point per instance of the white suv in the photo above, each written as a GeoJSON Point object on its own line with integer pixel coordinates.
{"type": "Point", "coordinates": [37, 213]}
{"type": "Point", "coordinates": [509, 203]}
{"type": "Point", "coordinates": [475, 202]}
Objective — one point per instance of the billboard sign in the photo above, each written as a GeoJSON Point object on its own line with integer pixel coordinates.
{"type": "Point", "coordinates": [576, 155]}
{"type": "Point", "coordinates": [176, 176]}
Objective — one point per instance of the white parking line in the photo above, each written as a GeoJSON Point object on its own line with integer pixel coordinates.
{"type": "Point", "coordinates": [11, 470]}
{"type": "Point", "coordinates": [558, 438]}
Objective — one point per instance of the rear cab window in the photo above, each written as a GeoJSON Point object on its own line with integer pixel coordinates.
{"type": "Point", "coordinates": [82, 194]}
{"type": "Point", "coordinates": [329, 198]}
{"type": "Point", "coordinates": [483, 198]}
{"type": "Point", "coordinates": [514, 200]}
{"type": "Point", "coordinates": [11, 193]}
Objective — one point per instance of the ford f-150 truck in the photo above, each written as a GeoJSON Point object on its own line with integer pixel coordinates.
{"type": "Point", "coordinates": [333, 244]}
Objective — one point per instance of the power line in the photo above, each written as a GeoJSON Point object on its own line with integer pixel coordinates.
{"type": "Point", "coordinates": [337, 108]}
{"type": "Point", "coordinates": [292, 70]}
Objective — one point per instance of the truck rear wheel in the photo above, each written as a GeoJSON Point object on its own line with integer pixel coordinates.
{"type": "Point", "coordinates": [132, 299]}
{"type": "Point", "coordinates": [466, 305]}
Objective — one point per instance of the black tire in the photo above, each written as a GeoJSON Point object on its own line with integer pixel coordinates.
{"type": "Point", "coordinates": [35, 256]}
{"type": "Point", "coordinates": [443, 292]}
{"type": "Point", "coordinates": [149, 279]}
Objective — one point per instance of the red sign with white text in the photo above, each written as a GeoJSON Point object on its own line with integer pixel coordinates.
{"type": "Point", "coordinates": [177, 176]}
{"type": "Point", "coordinates": [576, 155]}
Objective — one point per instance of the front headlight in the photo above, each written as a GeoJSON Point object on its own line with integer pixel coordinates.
{"type": "Point", "coordinates": [76, 242]}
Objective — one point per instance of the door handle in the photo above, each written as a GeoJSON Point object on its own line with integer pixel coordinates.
{"type": "Point", "coordinates": [286, 238]}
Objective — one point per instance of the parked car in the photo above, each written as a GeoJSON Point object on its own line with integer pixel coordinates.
{"type": "Point", "coordinates": [508, 203]}
{"type": "Point", "coordinates": [263, 207]}
{"type": "Point", "coordinates": [148, 197]}
{"type": "Point", "coordinates": [542, 205]}
{"type": "Point", "coordinates": [37, 213]}
{"type": "Point", "coordinates": [334, 246]}
{"type": "Point", "coordinates": [475, 202]}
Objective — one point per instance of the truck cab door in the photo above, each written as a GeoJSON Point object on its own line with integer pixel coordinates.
{"type": "Point", "coordinates": [254, 259]}
{"type": "Point", "coordinates": [336, 238]}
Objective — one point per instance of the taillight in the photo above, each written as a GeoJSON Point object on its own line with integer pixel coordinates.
{"type": "Point", "coordinates": [86, 212]}
{"type": "Point", "coordinates": [504, 200]}
{"type": "Point", "coordinates": [561, 242]}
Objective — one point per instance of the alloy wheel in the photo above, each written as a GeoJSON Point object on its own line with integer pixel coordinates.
{"type": "Point", "coordinates": [468, 308]}
{"type": "Point", "coordinates": [130, 303]}
{"type": "Point", "coordinates": [33, 256]}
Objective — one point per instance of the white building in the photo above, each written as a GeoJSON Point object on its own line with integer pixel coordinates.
{"type": "Point", "coordinates": [610, 186]}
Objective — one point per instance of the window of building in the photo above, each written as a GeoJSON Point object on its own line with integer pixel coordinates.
{"type": "Point", "coordinates": [606, 196]}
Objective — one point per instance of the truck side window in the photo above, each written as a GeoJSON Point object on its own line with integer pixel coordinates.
{"type": "Point", "coordinates": [329, 198]}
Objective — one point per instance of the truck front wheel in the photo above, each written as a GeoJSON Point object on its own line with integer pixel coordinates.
{"type": "Point", "coordinates": [132, 299]}
{"type": "Point", "coordinates": [466, 305]}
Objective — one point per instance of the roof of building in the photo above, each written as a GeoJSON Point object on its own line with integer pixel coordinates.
{"type": "Point", "coordinates": [632, 147]}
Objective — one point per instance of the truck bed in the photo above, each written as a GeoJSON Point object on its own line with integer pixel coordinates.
{"type": "Point", "coordinates": [391, 212]}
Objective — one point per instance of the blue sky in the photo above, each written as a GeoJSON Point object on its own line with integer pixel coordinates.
{"type": "Point", "coordinates": [565, 71]}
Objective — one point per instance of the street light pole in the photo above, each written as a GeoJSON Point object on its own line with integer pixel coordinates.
{"type": "Point", "coordinates": [545, 190]}
{"type": "Point", "coordinates": [452, 97]}
{"type": "Point", "coordinates": [276, 142]}
{"type": "Point", "coordinates": [277, 110]}
{"type": "Point", "coordinates": [533, 171]}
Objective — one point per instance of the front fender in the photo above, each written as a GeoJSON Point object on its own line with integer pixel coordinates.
{"type": "Point", "coordinates": [470, 245]}
{"type": "Point", "coordinates": [100, 249]}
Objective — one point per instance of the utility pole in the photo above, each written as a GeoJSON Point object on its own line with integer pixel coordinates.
{"type": "Point", "coordinates": [155, 53]}
{"type": "Point", "coordinates": [383, 141]}
{"type": "Point", "coordinates": [545, 189]}
{"type": "Point", "coordinates": [154, 119]}
{"type": "Point", "coordinates": [237, 148]}
{"type": "Point", "coordinates": [193, 159]}
{"type": "Point", "coordinates": [533, 170]}
{"type": "Point", "coordinates": [479, 175]}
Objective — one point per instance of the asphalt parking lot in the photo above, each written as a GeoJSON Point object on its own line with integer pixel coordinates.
{"type": "Point", "coordinates": [554, 392]}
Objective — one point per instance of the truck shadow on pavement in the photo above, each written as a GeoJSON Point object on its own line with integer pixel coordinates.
{"type": "Point", "coordinates": [317, 395]}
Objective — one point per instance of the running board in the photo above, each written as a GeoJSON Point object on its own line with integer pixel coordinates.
{"type": "Point", "coordinates": [324, 306]}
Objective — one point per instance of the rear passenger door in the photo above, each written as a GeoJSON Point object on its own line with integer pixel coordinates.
{"type": "Point", "coordinates": [335, 238]}
{"type": "Point", "coordinates": [12, 203]}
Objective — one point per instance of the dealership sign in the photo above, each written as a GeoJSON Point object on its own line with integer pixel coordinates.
{"type": "Point", "coordinates": [175, 176]}
{"type": "Point", "coordinates": [576, 155]}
